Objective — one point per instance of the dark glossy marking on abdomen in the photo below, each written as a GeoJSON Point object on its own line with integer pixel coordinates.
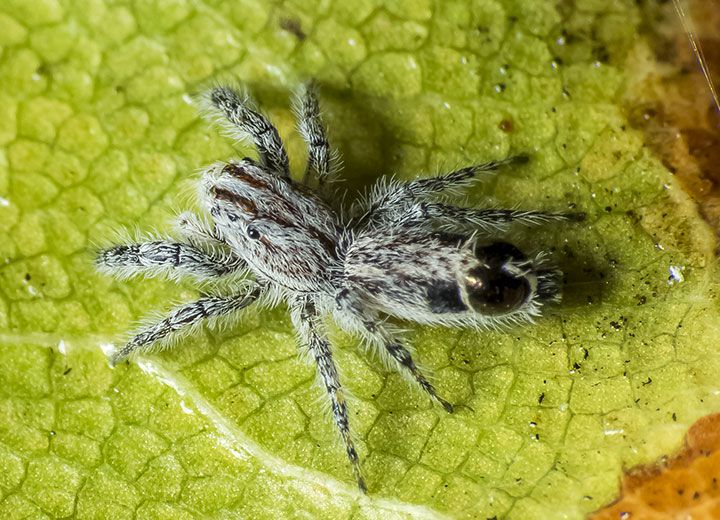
{"type": "Point", "coordinates": [444, 296]}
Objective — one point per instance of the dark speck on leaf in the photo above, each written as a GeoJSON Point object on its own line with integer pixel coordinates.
{"type": "Point", "coordinates": [292, 25]}
{"type": "Point", "coordinates": [541, 398]}
{"type": "Point", "coordinates": [43, 70]}
{"type": "Point", "coordinates": [601, 54]}
{"type": "Point", "coordinates": [67, 371]}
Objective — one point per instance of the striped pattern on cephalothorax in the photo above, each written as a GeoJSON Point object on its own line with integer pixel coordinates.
{"type": "Point", "coordinates": [285, 233]}
{"type": "Point", "coordinates": [396, 254]}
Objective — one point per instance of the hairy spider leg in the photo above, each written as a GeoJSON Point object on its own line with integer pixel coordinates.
{"type": "Point", "coordinates": [383, 339]}
{"type": "Point", "coordinates": [457, 179]}
{"type": "Point", "coordinates": [429, 214]}
{"type": "Point", "coordinates": [312, 129]}
{"type": "Point", "coordinates": [405, 361]}
{"type": "Point", "coordinates": [387, 198]}
{"type": "Point", "coordinates": [239, 111]}
{"type": "Point", "coordinates": [183, 318]}
{"type": "Point", "coordinates": [307, 322]}
{"type": "Point", "coordinates": [167, 258]}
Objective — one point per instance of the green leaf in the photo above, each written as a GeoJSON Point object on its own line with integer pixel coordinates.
{"type": "Point", "coordinates": [99, 133]}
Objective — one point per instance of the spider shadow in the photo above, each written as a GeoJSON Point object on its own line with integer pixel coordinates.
{"type": "Point", "coordinates": [369, 149]}
{"type": "Point", "coordinates": [358, 129]}
{"type": "Point", "coordinates": [586, 279]}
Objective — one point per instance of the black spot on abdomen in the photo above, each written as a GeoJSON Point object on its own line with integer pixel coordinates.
{"type": "Point", "coordinates": [444, 296]}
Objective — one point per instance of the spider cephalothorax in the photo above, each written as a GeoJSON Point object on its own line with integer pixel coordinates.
{"type": "Point", "coordinates": [397, 253]}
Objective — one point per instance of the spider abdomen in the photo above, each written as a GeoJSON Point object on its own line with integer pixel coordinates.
{"type": "Point", "coordinates": [417, 278]}
{"type": "Point", "coordinates": [441, 278]}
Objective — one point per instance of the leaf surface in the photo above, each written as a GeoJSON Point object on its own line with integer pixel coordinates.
{"type": "Point", "coordinates": [99, 132]}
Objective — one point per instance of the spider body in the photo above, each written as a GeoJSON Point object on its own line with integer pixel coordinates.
{"type": "Point", "coordinates": [396, 254]}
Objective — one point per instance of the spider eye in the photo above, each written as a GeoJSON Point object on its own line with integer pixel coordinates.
{"type": "Point", "coordinates": [253, 233]}
{"type": "Point", "coordinates": [491, 289]}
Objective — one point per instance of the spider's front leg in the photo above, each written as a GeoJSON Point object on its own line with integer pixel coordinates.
{"type": "Point", "coordinates": [312, 129]}
{"type": "Point", "coordinates": [239, 111]}
{"type": "Point", "coordinates": [307, 322]}
{"type": "Point", "coordinates": [183, 318]}
{"type": "Point", "coordinates": [167, 258]}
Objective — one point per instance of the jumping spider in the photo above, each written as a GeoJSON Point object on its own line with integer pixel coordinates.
{"type": "Point", "coordinates": [397, 253]}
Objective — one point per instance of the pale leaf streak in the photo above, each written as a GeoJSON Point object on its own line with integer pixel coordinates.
{"type": "Point", "coordinates": [238, 443]}
{"type": "Point", "coordinates": [230, 436]}
{"type": "Point", "coordinates": [52, 339]}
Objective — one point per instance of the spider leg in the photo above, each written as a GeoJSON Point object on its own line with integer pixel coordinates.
{"type": "Point", "coordinates": [356, 319]}
{"type": "Point", "coordinates": [320, 156]}
{"type": "Point", "coordinates": [404, 360]}
{"type": "Point", "coordinates": [183, 318]}
{"type": "Point", "coordinates": [454, 217]}
{"type": "Point", "coordinates": [420, 188]}
{"type": "Point", "coordinates": [307, 323]}
{"type": "Point", "coordinates": [239, 111]}
{"type": "Point", "coordinates": [386, 200]}
{"type": "Point", "coordinates": [163, 257]}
